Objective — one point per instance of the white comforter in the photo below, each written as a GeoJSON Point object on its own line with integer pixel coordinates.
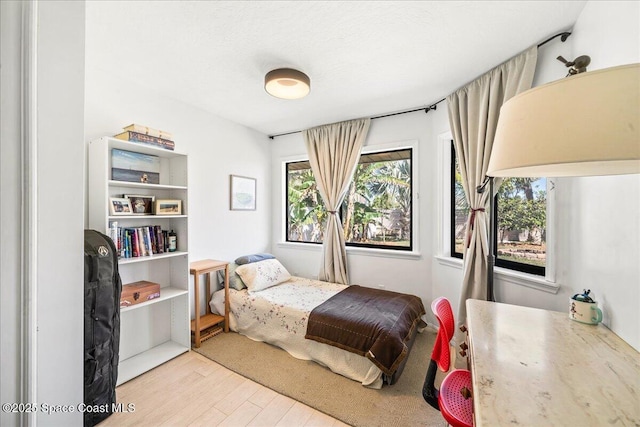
{"type": "Point", "coordinates": [279, 315]}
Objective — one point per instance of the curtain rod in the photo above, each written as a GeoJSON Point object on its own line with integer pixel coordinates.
{"type": "Point", "coordinates": [563, 37]}
{"type": "Point", "coordinates": [433, 106]}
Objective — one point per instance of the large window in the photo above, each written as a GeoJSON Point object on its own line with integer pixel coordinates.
{"type": "Point", "coordinates": [376, 212]}
{"type": "Point", "coordinates": [520, 221]}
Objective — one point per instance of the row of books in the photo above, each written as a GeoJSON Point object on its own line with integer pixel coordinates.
{"type": "Point", "coordinates": [133, 242]}
{"type": "Point", "coordinates": [147, 135]}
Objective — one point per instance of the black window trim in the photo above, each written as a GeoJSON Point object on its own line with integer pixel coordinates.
{"type": "Point", "coordinates": [452, 192]}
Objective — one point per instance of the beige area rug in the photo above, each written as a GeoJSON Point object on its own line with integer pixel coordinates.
{"type": "Point", "coordinates": [400, 404]}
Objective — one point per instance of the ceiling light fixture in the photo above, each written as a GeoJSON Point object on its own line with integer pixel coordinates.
{"type": "Point", "coordinates": [287, 83]}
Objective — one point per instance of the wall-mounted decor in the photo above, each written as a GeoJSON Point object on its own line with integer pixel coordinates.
{"type": "Point", "coordinates": [141, 205]}
{"type": "Point", "coordinates": [168, 207]}
{"type": "Point", "coordinates": [134, 167]}
{"type": "Point", "coordinates": [120, 206]}
{"type": "Point", "coordinates": [242, 193]}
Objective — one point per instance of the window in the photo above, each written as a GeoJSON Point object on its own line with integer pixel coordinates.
{"type": "Point", "coordinates": [520, 221]}
{"type": "Point", "coordinates": [376, 212]}
{"type": "Point", "coordinates": [459, 208]}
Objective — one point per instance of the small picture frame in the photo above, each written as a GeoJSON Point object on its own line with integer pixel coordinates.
{"type": "Point", "coordinates": [120, 206]}
{"type": "Point", "coordinates": [141, 205]}
{"type": "Point", "coordinates": [168, 207]}
{"type": "Point", "coordinates": [242, 193]}
{"type": "Point", "coordinates": [130, 166]}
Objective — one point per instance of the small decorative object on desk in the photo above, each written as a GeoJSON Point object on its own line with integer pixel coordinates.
{"type": "Point", "coordinates": [584, 296]}
{"type": "Point", "coordinates": [584, 309]}
{"type": "Point", "coordinates": [130, 166]}
{"type": "Point", "coordinates": [147, 135]}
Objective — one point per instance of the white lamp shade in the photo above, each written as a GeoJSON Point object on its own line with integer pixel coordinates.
{"type": "Point", "coordinates": [583, 125]}
{"type": "Point", "coordinates": [287, 83]}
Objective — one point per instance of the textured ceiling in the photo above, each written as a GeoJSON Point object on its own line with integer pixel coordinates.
{"type": "Point", "coordinates": [364, 58]}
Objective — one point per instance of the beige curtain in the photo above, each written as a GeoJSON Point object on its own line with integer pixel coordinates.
{"type": "Point", "coordinates": [473, 117]}
{"type": "Point", "coordinates": [334, 151]}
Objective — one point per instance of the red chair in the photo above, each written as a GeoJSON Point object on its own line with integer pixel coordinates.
{"type": "Point", "coordinates": [453, 399]}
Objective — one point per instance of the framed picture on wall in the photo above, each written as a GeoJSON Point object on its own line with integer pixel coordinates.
{"type": "Point", "coordinates": [242, 193]}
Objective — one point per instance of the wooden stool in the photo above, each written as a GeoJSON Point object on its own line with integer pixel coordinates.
{"type": "Point", "coordinates": [202, 327]}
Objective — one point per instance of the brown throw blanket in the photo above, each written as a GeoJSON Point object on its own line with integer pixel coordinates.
{"type": "Point", "coordinates": [369, 322]}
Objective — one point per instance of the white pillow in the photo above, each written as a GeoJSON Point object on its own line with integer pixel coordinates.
{"type": "Point", "coordinates": [263, 274]}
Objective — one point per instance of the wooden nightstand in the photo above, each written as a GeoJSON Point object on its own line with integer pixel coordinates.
{"type": "Point", "coordinates": [203, 327]}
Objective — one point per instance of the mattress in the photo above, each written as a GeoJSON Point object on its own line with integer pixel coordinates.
{"type": "Point", "coordinates": [278, 315]}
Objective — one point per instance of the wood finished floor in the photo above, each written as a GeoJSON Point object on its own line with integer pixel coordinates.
{"type": "Point", "coordinates": [192, 390]}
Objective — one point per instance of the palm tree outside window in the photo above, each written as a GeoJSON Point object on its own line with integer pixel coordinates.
{"type": "Point", "coordinates": [376, 212]}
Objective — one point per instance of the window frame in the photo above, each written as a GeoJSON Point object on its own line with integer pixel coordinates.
{"type": "Point", "coordinates": [364, 248]}
{"type": "Point", "coordinates": [510, 265]}
{"type": "Point", "coordinates": [452, 205]}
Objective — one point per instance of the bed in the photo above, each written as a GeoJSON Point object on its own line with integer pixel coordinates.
{"type": "Point", "coordinates": [280, 314]}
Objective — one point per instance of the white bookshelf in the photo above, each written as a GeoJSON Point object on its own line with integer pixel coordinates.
{"type": "Point", "coordinates": [155, 331]}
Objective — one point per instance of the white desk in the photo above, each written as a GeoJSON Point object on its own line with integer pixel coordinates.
{"type": "Point", "coordinates": [534, 367]}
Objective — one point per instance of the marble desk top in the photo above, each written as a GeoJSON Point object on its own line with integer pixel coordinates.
{"type": "Point", "coordinates": [533, 367]}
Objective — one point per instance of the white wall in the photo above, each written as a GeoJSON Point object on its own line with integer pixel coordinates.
{"type": "Point", "coordinates": [60, 237]}
{"type": "Point", "coordinates": [216, 149]}
{"type": "Point", "coordinates": [597, 219]}
{"type": "Point", "coordinates": [603, 226]}
{"type": "Point", "coordinates": [55, 376]}
{"type": "Point", "coordinates": [10, 214]}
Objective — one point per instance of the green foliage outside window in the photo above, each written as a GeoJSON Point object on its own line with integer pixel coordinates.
{"type": "Point", "coordinates": [521, 226]}
{"type": "Point", "coordinates": [376, 211]}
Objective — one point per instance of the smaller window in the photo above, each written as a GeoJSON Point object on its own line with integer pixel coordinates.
{"type": "Point", "coordinates": [519, 221]}
{"type": "Point", "coordinates": [520, 225]}
{"type": "Point", "coordinates": [459, 208]}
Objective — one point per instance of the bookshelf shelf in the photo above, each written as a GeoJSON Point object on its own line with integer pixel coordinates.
{"type": "Point", "coordinates": [166, 293]}
{"type": "Point", "coordinates": [145, 217]}
{"type": "Point", "coordinates": [154, 257]}
{"type": "Point", "coordinates": [155, 331]}
{"type": "Point", "coordinates": [142, 148]}
{"type": "Point", "coordinates": [139, 364]}
{"type": "Point", "coordinates": [125, 184]}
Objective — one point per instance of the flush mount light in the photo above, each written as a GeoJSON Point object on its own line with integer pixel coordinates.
{"type": "Point", "coordinates": [287, 83]}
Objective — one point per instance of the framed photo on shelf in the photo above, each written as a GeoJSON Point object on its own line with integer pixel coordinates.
{"type": "Point", "coordinates": [120, 206]}
{"type": "Point", "coordinates": [242, 193]}
{"type": "Point", "coordinates": [134, 167]}
{"type": "Point", "coordinates": [168, 207]}
{"type": "Point", "coordinates": [141, 205]}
